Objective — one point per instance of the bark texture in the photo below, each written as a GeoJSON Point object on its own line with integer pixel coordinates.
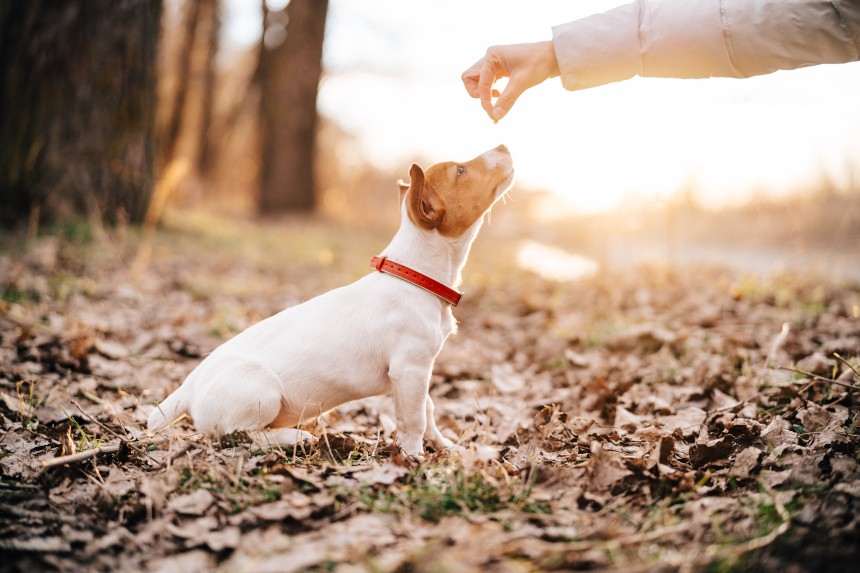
{"type": "Point", "coordinates": [77, 108]}
{"type": "Point", "coordinates": [289, 75]}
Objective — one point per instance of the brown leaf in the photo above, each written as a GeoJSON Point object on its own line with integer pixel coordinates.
{"type": "Point", "coordinates": [605, 469]}
{"type": "Point", "coordinates": [850, 488]}
{"type": "Point", "coordinates": [814, 418]}
{"type": "Point", "coordinates": [297, 474]}
{"type": "Point", "coordinates": [37, 544]}
{"type": "Point", "coordinates": [294, 505]}
{"type": "Point", "coordinates": [190, 562]}
{"type": "Point", "coordinates": [110, 349]}
{"type": "Point", "coordinates": [744, 429]}
{"type": "Point", "coordinates": [647, 337]}
{"type": "Point", "coordinates": [506, 379]}
{"type": "Point", "coordinates": [818, 364]}
{"type": "Point", "coordinates": [775, 478]}
{"type": "Point", "coordinates": [227, 538]}
{"type": "Point", "coordinates": [194, 528]}
{"type": "Point", "coordinates": [383, 474]}
{"type": "Point", "coordinates": [833, 438]}
{"type": "Point", "coordinates": [81, 345]}
{"type": "Point", "coordinates": [67, 443]}
{"type": "Point", "coordinates": [778, 433]}
{"type": "Point", "coordinates": [745, 462]}
{"type": "Point", "coordinates": [667, 447]}
{"type": "Point", "coordinates": [687, 420]}
{"type": "Point", "coordinates": [710, 452]}
{"type": "Point", "coordinates": [627, 420]}
{"type": "Point", "coordinates": [194, 503]}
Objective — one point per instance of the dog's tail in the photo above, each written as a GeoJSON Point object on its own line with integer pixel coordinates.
{"type": "Point", "coordinates": [169, 410]}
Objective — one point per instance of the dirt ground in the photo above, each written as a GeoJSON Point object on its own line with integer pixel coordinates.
{"type": "Point", "coordinates": [655, 419]}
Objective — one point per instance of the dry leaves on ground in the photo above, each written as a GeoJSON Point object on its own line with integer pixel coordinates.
{"type": "Point", "coordinates": [650, 420]}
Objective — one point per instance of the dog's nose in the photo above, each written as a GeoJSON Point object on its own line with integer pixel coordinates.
{"type": "Point", "coordinates": [503, 148]}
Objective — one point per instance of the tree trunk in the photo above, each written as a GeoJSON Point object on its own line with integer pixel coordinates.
{"type": "Point", "coordinates": [289, 75]}
{"type": "Point", "coordinates": [77, 107]}
{"type": "Point", "coordinates": [212, 29]}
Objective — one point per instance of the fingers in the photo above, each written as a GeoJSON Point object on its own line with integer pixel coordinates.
{"type": "Point", "coordinates": [485, 85]}
{"type": "Point", "coordinates": [471, 76]}
{"type": "Point", "coordinates": [480, 78]}
{"type": "Point", "coordinates": [507, 99]}
{"type": "Point", "coordinates": [525, 64]}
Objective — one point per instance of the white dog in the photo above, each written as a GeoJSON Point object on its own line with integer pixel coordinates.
{"type": "Point", "coordinates": [378, 335]}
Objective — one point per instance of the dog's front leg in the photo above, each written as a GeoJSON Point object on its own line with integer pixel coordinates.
{"type": "Point", "coordinates": [409, 387]}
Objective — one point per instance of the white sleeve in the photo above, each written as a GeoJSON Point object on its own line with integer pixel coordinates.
{"type": "Point", "coordinates": [705, 38]}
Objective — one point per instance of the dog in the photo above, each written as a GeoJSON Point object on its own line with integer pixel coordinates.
{"type": "Point", "coordinates": [378, 335]}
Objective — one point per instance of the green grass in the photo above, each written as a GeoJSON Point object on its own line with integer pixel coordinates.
{"type": "Point", "coordinates": [13, 295]}
{"type": "Point", "coordinates": [238, 494]}
{"type": "Point", "coordinates": [27, 403]}
{"type": "Point", "coordinates": [436, 492]}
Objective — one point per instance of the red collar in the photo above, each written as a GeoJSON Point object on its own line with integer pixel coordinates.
{"type": "Point", "coordinates": [383, 265]}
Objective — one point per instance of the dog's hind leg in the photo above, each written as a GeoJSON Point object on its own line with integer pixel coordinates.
{"type": "Point", "coordinates": [432, 432]}
{"type": "Point", "coordinates": [241, 397]}
{"type": "Point", "coordinates": [248, 400]}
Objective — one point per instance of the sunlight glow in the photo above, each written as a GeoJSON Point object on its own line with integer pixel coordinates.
{"type": "Point", "coordinates": [393, 80]}
{"type": "Point", "coordinates": [553, 263]}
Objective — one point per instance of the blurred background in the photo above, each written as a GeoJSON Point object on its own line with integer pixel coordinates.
{"type": "Point", "coordinates": [123, 111]}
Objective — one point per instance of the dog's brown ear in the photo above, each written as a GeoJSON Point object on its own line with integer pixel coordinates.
{"type": "Point", "coordinates": [426, 208]}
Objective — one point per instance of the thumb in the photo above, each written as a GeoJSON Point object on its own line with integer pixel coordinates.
{"type": "Point", "coordinates": [507, 100]}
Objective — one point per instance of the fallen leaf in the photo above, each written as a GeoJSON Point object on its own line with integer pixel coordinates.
{"type": "Point", "coordinates": [778, 433]}
{"type": "Point", "coordinates": [745, 462]}
{"type": "Point", "coordinates": [627, 420]}
{"type": "Point", "coordinates": [111, 349]}
{"type": "Point", "coordinates": [712, 451]}
{"type": "Point", "coordinates": [227, 538]}
{"type": "Point", "coordinates": [506, 379]}
{"type": "Point", "coordinates": [197, 561]}
{"type": "Point", "coordinates": [194, 503]}
{"type": "Point", "coordinates": [687, 420]}
{"type": "Point", "coordinates": [605, 469]}
{"type": "Point", "coordinates": [383, 474]}
{"type": "Point", "coordinates": [196, 529]}
{"type": "Point", "coordinates": [814, 418]}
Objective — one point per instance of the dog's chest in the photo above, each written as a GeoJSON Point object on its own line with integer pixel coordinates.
{"type": "Point", "coordinates": [448, 323]}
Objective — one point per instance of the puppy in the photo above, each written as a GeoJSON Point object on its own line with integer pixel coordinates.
{"type": "Point", "coordinates": [378, 335]}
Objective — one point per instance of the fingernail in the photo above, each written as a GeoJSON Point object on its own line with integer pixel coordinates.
{"type": "Point", "coordinates": [498, 113]}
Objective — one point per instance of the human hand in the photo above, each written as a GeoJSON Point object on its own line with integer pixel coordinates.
{"type": "Point", "coordinates": [526, 65]}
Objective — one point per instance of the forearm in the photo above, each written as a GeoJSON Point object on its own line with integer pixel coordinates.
{"type": "Point", "coordinates": [705, 38]}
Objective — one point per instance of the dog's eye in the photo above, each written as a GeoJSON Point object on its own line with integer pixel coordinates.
{"type": "Point", "coordinates": [460, 170]}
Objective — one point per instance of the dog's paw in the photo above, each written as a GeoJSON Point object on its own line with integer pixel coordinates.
{"type": "Point", "coordinates": [443, 443]}
{"type": "Point", "coordinates": [285, 437]}
{"type": "Point", "coordinates": [413, 449]}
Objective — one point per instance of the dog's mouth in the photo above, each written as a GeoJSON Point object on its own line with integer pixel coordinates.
{"type": "Point", "coordinates": [504, 187]}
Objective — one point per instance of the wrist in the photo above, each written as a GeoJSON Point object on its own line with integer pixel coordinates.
{"type": "Point", "coordinates": [549, 59]}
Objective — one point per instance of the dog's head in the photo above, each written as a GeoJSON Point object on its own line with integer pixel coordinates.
{"type": "Point", "coordinates": [451, 197]}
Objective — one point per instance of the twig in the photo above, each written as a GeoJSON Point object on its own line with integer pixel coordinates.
{"type": "Point", "coordinates": [846, 363]}
{"type": "Point", "coordinates": [87, 454]}
{"type": "Point", "coordinates": [633, 539]}
{"type": "Point", "coordinates": [774, 348]}
{"type": "Point", "coordinates": [111, 432]}
{"type": "Point", "coordinates": [818, 378]}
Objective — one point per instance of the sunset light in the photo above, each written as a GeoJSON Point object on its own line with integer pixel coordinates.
{"type": "Point", "coordinates": [393, 80]}
{"type": "Point", "coordinates": [277, 294]}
